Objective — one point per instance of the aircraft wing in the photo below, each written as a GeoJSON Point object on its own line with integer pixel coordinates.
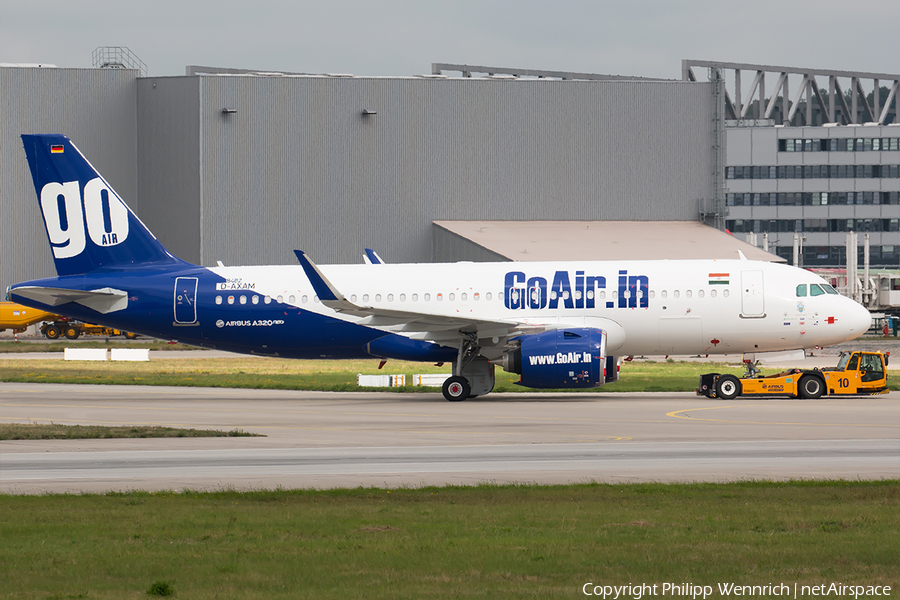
{"type": "Point", "coordinates": [103, 300]}
{"type": "Point", "coordinates": [371, 257]}
{"type": "Point", "coordinates": [415, 325]}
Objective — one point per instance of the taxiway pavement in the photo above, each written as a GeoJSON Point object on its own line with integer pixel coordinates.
{"type": "Point", "coordinates": [323, 439]}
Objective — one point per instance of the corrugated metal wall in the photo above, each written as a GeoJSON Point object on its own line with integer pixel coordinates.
{"type": "Point", "coordinates": [96, 108]}
{"type": "Point", "coordinates": [168, 144]}
{"type": "Point", "coordinates": [299, 166]}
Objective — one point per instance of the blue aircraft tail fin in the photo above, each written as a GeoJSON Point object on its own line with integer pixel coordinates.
{"type": "Point", "coordinates": [87, 223]}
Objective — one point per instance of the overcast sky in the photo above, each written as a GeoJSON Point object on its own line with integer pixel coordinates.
{"type": "Point", "coordinates": [400, 37]}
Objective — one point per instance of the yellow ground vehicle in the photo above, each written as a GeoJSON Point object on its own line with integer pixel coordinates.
{"type": "Point", "coordinates": [857, 373]}
{"type": "Point", "coordinates": [73, 329]}
{"type": "Point", "coordinates": [17, 317]}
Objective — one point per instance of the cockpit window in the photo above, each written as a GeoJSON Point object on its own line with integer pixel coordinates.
{"type": "Point", "coordinates": [829, 289]}
{"type": "Point", "coordinates": [801, 290]}
{"type": "Point", "coordinates": [815, 289]}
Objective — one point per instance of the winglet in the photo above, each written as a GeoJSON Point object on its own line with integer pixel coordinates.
{"type": "Point", "coordinates": [372, 258]}
{"type": "Point", "coordinates": [325, 290]}
{"type": "Point", "coordinates": [741, 254]}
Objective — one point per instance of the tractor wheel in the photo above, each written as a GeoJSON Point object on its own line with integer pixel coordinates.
{"type": "Point", "coordinates": [728, 387]}
{"type": "Point", "coordinates": [811, 387]}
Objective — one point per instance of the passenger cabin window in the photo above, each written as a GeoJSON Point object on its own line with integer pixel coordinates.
{"type": "Point", "coordinates": [815, 289]}
{"type": "Point", "coordinates": [801, 290]}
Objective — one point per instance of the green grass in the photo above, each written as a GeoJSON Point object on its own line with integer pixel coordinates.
{"type": "Point", "coordinates": [452, 542]}
{"type": "Point", "coordinates": [89, 342]}
{"type": "Point", "coordinates": [54, 431]}
{"type": "Point", "coordinates": [327, 375]}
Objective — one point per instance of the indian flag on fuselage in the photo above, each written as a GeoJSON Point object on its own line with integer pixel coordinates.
{"type": "Point", "coordinates": [718, 278]}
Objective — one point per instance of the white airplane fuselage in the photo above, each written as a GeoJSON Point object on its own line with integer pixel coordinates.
{"type": "Point", "coordinates": [646, 307]}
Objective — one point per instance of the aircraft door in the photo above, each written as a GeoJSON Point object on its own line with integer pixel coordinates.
{"type": "Point", "coordinates": [753, 298]}
{"type": "Point", "coordinates": [185, 300]}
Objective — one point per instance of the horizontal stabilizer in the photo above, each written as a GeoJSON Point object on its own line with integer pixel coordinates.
{"type": "Point", "coordinates": [103, 300]}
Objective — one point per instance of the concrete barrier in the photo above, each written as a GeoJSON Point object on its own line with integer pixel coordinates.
{"type": "Point", "coordinates": [85, 354]}
{"type": "Point", "coordinates": [380, 380]}
{"type": "Point", "coordinates": [131, 354]}
{"type": "Point", "coordinates": [430, 379]}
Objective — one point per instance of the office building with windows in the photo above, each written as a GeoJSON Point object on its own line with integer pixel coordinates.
{"type": "Point", "coordinates": [820, 182]}
{"type": "Point", "coordinates": [809, 160]}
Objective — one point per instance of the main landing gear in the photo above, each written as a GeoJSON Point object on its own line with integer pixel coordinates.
{"type": "Point", "coordinates": [473, 375]}
{"type": "Point", "coordinates": [456, 388]}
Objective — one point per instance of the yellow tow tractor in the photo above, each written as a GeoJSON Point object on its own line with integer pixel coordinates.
{"type": "Point", "coordinates": [74, 329]}
{"type": "Point", "coordinates": [856, 374]}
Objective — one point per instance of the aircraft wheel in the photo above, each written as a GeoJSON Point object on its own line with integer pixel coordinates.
{"type": "Point", "coordinates": [52, 332]}
{"type": "Point", "coordinates": [811, 387]}
{"type": "Point", "coordinates": [728, 387]}
{"type": "Point", "coordinates": [72, 333]}
{"type": "Point", "coordinates": [456, 389]}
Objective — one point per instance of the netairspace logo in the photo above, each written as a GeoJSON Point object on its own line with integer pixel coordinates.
{"type": "Point", "coordinates": [694, 591]}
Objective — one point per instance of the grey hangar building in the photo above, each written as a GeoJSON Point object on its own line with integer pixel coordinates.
{"type": "Point", "coordinates": [464, 163]}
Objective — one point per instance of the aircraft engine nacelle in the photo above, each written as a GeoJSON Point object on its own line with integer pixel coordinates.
{"type": "Point", "coordinates": [562, 358]}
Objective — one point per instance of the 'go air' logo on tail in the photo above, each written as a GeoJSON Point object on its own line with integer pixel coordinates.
{"type": "Point", "coordinates": [65, 215]}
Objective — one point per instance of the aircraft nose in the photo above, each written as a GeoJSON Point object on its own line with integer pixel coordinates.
{"type": "Point", "coordinates": [858, 318]}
